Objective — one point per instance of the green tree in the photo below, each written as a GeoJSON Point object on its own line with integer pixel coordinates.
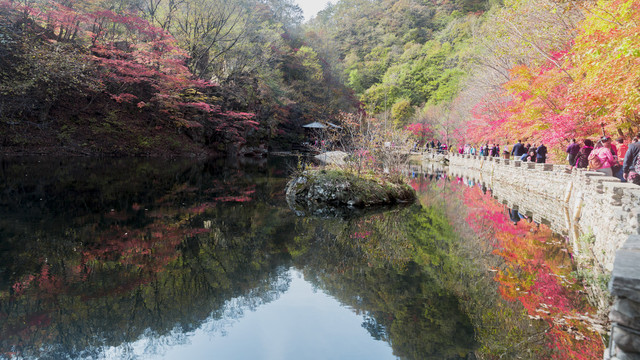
{"type": "Point", "coordinates": [401, 112]}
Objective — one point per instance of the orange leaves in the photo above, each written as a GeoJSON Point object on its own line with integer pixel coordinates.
{"type": "Point", "coordinates": [595, 79]}
{"type": "Point", "coordinates": [608, 63]}
{"type": "Point", "coordinates": [520, 78]}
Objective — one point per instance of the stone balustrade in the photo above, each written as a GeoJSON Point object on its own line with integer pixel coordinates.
{"type": "Point", "coordinates": [577, 203]}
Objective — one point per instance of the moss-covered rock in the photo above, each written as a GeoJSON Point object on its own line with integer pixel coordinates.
{"type": "Point", "coordinates": [330, 192]}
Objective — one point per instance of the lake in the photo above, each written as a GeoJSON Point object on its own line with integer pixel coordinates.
{"type": "Point", "coordinates": [158, 259]}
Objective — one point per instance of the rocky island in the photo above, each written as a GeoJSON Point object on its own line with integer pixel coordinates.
{"type": "Point", "coordinates": [333, 192]}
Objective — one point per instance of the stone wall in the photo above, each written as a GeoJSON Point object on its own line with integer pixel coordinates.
{"type": "Point", "coordinates": [599, 214]}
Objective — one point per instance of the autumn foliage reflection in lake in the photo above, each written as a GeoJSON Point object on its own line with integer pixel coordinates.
{"type": "Point", "coordinates": [92, 260]}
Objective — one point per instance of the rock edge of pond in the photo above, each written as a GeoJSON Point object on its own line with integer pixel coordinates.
{"type": "Point", "coordinates": [339, 193]}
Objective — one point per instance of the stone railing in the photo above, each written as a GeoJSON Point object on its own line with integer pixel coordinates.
{"type": "Point", "coordinates": [599, 214]}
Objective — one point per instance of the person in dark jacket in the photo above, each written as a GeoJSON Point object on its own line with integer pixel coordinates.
{"type": "Point", "coordinates": [518, 150]}
{"type": "Point", "coordinates": [582, 159]}
{"type": "Point", "coordinates": [629, 170]}
{"type": "Point", "coordinates": [541, 154]}
{"type": "Point", "coordinates": [573, 150]}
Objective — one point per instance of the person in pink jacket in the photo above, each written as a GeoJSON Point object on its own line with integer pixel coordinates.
{"type": "Point", "coordinates": [603, 151]}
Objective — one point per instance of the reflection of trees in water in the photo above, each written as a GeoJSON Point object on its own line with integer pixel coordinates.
{"type": "Point", "coordinates": [368, 264]}
{"type": "Point", "coordinates": [539, 313]}
{"type": "Point", "coordinates": [189, 261]}
{"type": "Point", "coordinates": [146, 267]}
{"type": "Point", "coordinates": [97, 312]}
{"type": "Point", "coordinates": [187, 246]}
{"type": "Point", "coordinates": [503, 328]}
{"type": "Point", "coordinates": [220, 318]}
{"type": "Point", "coordinates": [373, 327]}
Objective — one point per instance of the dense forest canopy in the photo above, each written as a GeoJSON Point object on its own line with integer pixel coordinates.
{"type": "Point", "coordinates": [132, 76]}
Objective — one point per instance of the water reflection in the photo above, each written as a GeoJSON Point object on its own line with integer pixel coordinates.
{"type": "Point", "coordinates": [302, 323]}
{"type": "Point", "coordinates": [534, 270]}
{"type": "Point", "coordinates": [91, 258]}
{"type": "Point", "coordinates": [127, 258]}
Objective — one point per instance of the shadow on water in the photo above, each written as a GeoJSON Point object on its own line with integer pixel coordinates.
{"type": "Point", "coordinates": [101, 253]}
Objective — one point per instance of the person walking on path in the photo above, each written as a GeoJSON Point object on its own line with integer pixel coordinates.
{"type": "Point", "coordinates": [541, 154]}
{"type": "Point", "coordinates": [518, 150]}
{"type": "Point", "coordinates": [582, 159]}
{"type": "Point", "coordinates": [631, 163]}
{"type": "Point", "coordinates": [603, 152]}
{"type": "Point", "coordinates": [572, 150]}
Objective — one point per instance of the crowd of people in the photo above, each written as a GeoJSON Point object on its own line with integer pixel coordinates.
{"type": "Point", "coordinates": [440, 147]}
{"type": "Point", "coordinates": [620, 159]}
{"type": "Point", "coordinates": [519, 151]}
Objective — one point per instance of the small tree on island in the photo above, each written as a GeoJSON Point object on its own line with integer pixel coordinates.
{"type": "Point", "coordinates": [371, 144]}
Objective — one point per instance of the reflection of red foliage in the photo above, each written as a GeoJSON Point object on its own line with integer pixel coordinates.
{"type": "Point", "coordinates": [534, 274]}
{"type": "Point", "coordinates": [134, 255]}
{"type": "Point", "coordinates": [419, 184]}
{"type": "Point", "coordinates": [540, 282]}
{"type": "Point", "coordinates": [556, 296]}
{"type": "Point", "coordinates": [233, 199]}
{"type": "Point", "coordinates": [200, 209]}
{"type": "Point", "coordinates": [360, 235]}
{"type": "Point", "coordinates": [145, 240]}
{"type": "Point", "coordinates": [19, 287]}
{"type": "Point", "coordinates": [46, 282]}
{"type": "Point", "coordinates": [152, 247]}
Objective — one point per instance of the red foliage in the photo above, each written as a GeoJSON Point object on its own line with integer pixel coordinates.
{"type": "Point", "coordinates": [420, 131]}
{"type": "Point", "coordinates": [587, 86]}
{"type": "Point", "coordinates": [137, 63]}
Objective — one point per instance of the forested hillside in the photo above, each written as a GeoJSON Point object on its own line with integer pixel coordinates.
{"type": "Point", "coordinates": [158, 76]}
{"type": "Point", "coordinates": [399, 56]}
{"type": "Point", "coordinates": [206, 76]}
{"type": "Point", "coordinates": [489, 71]}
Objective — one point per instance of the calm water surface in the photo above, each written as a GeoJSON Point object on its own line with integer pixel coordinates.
{"type": "Point", "coordinates": [149, 259]}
